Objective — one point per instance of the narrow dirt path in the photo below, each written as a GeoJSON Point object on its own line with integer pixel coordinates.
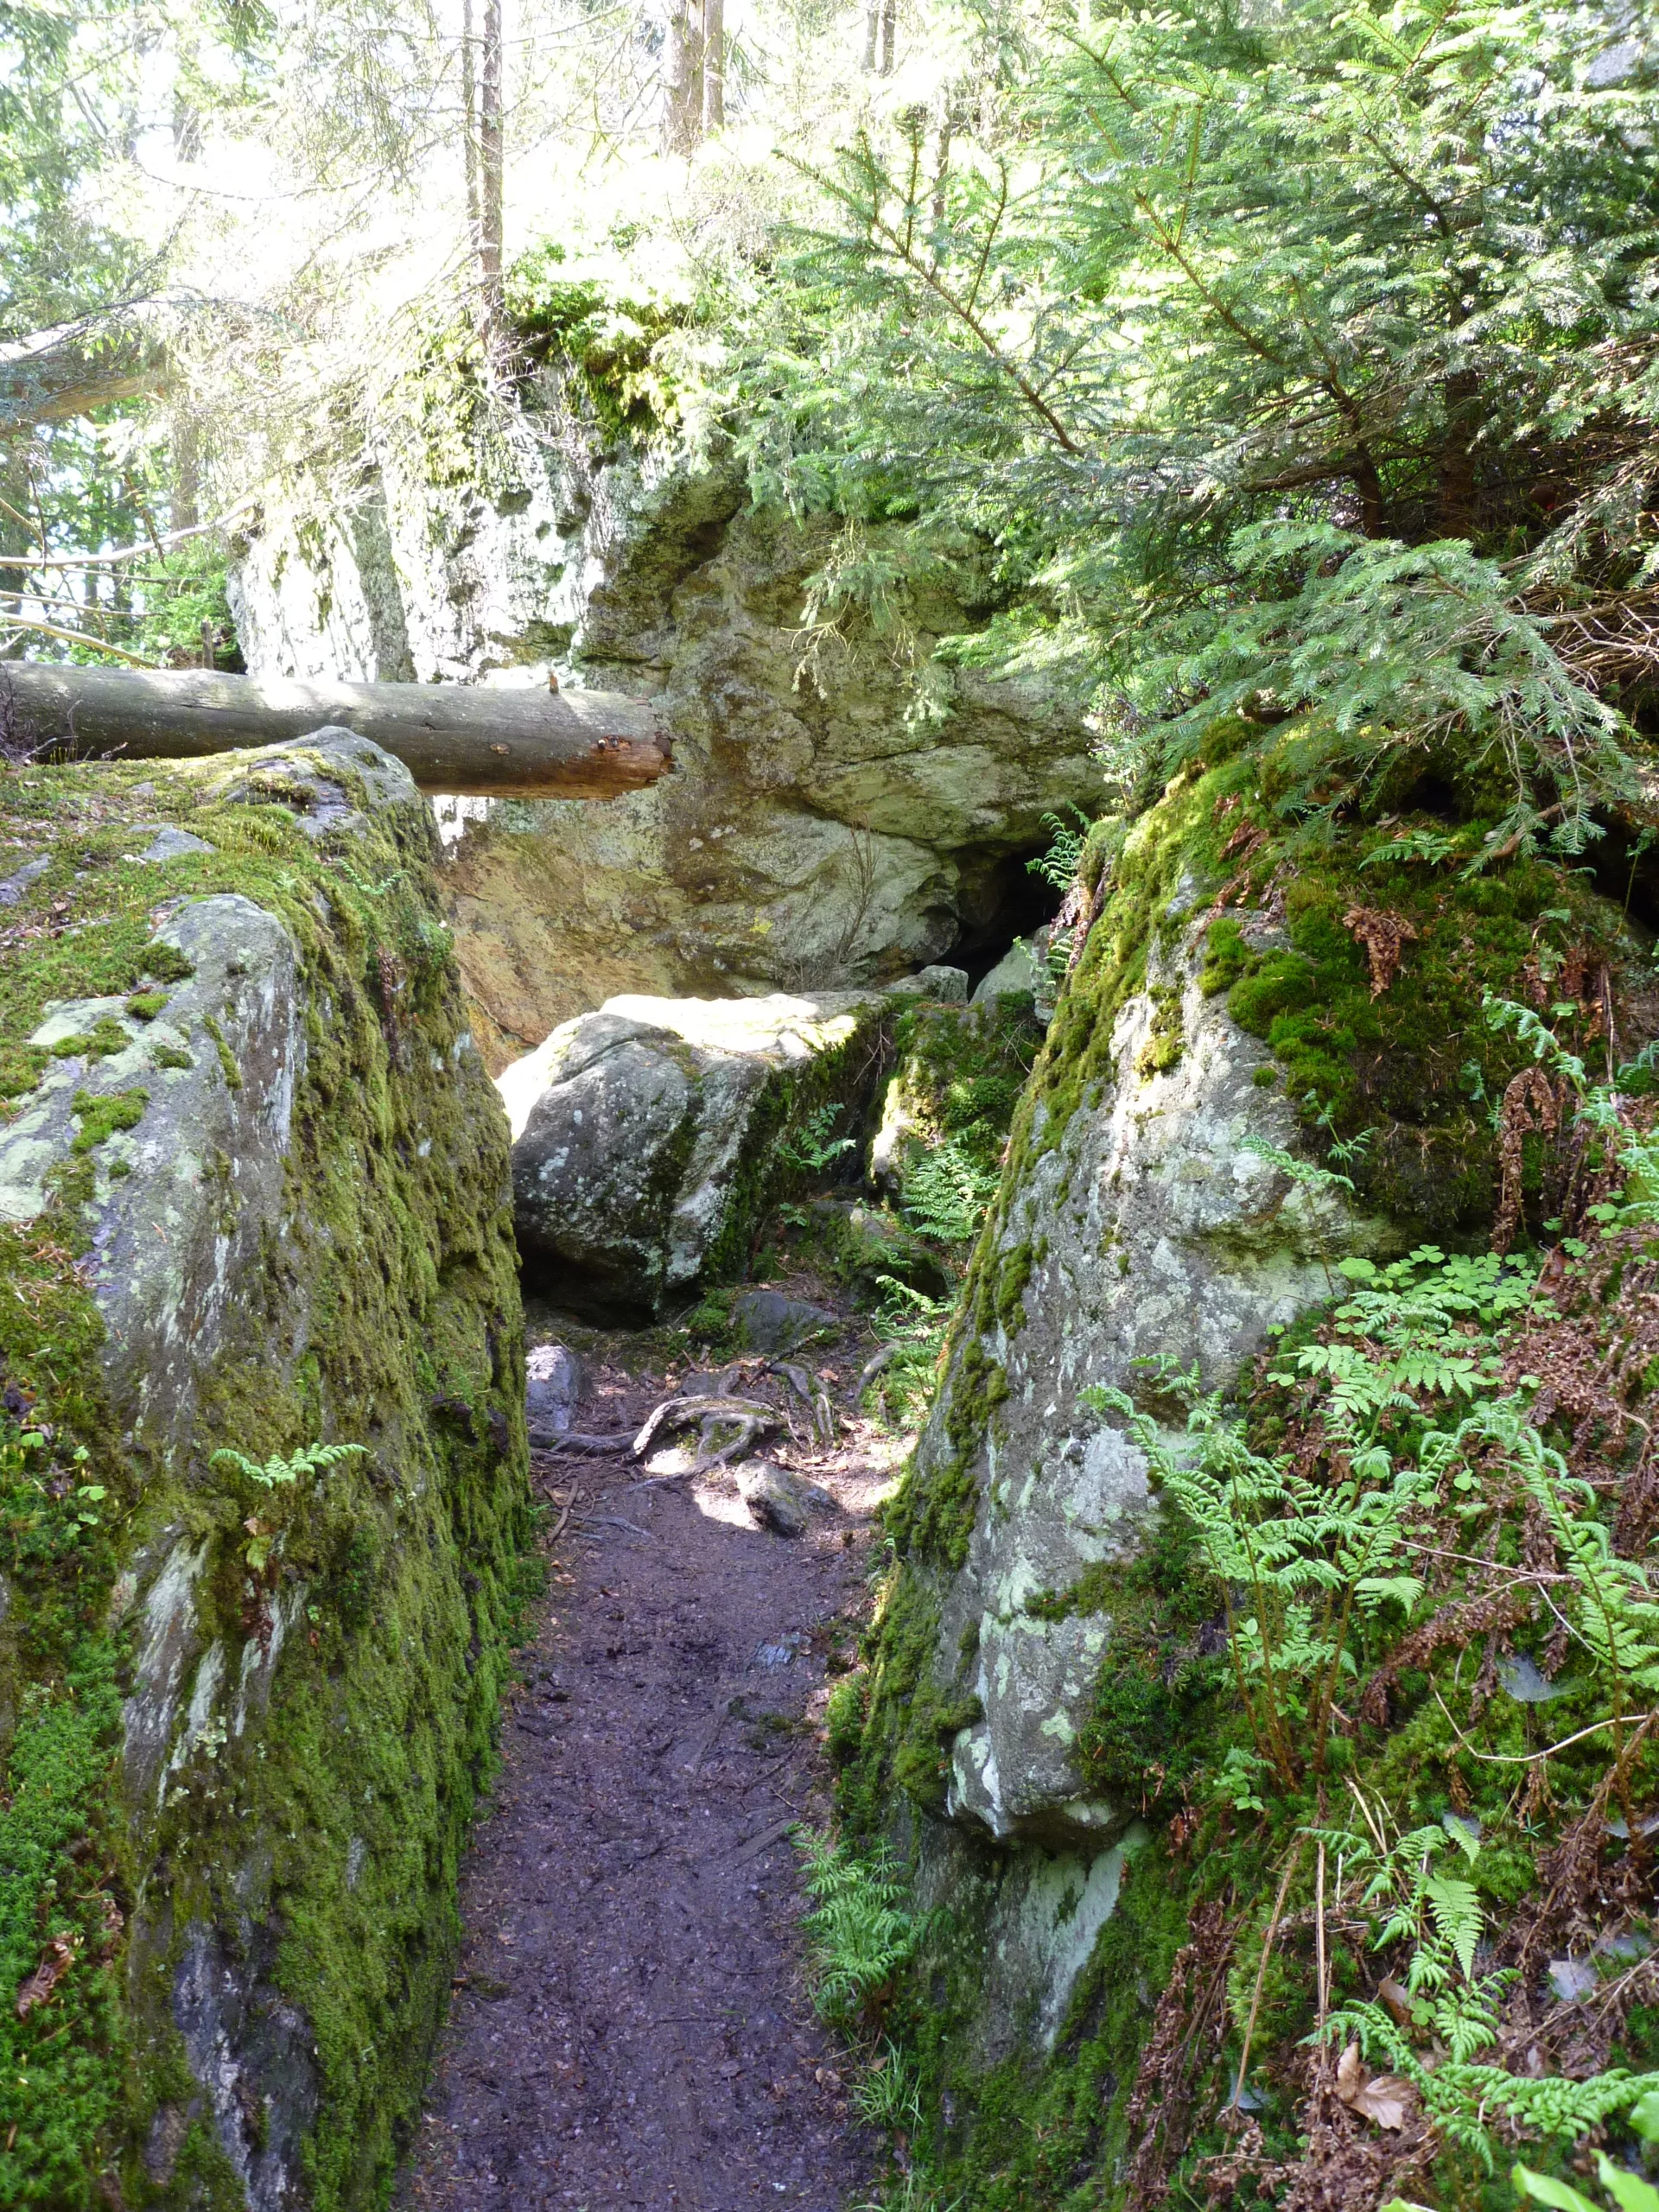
{"type": "Point", "coordinates": [629, 2027]}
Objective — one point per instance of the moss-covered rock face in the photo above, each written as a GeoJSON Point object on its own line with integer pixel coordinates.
{"type": "Point", "coordinates": [1270, 1056]}
{"type": "Point", "coordinates": [253, 1197]}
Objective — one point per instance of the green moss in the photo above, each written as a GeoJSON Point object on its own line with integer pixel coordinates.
{"type": "Point", "coordinates": [22, 1067]}
{"type": "Point", "coordinates": [600, 335]}
{"type": "Point", "coordinates": [105, 1039]}
{"type": "Point", "coordinates": [228, 1068]}
{"type": "Point", "coordinates": [933, 1516]}
{"type": "Point", "coordinates": [61, 2063]}
{"type": "Point", "coordinates": [844, 1719]}
{"type": "Point", "coordinates": [959, 1071]}
{"type": "Point", "coordinates": [1167, 1039]}
{"type": "Point", "coordinates": [100, 1117]}
{"type": "Point", "coordinates": [1013, 1273]}
{"type": "Point", "coordinates": [144, 1006]}
{"type": "Point", "coordinates": [909, 1717]}
{"type": "Point", "coordinates": [771, 1168]}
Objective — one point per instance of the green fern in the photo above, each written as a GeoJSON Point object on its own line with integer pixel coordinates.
{"type": "Point", "coordinates": [947, 1192]}
{"type": "Point", "coordinates": [861, 1931]}
{"type": "Point", "coordinates": [810, 1148]}
{"type": "Point", "coordinates": [278, 1473]}
{"type": "Point", "coordinates": [1057, 865]}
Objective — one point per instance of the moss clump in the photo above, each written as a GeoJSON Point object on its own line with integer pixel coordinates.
{"type": "Point", "coordinates": [106, 1038]}
{"type": "Point", "coordinates": [843, 1718]}
{"type": "Point", "coordinates": [100, 1117]}
{"type": "Point", "coordinates": [22, 1067]}
{"type": "Point", "coordinates": [1166, 1040]}
{"type": "Point", "coordinates": [232, 1073]}
{"type": "Point", "coordinates": [600, 334]}
{"type": "Point", "coordinates": [908, 1718]}
{"type": "Point", "coordinates": [933, 1516]}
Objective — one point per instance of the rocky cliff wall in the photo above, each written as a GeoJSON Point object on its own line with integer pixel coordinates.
{"type": "Point", "coordinates": [1040, 1721]}
{"type": "Point", "coordinates": [254, 1198]}
{"type": "Point", "coordinates": [820, 828]}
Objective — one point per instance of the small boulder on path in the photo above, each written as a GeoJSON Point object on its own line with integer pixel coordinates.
{"type": "Point", "coordinates": [552, 1386]}
{"type": "Point", "coordinates": [779, 1500]}
{"type": "Point", "coordinates": [647, 1136]}
{"type": "Point", "coordinates": [766, 1321]}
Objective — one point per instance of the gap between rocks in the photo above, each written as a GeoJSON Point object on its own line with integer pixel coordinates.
{"type": "Point", "coordinates": [630, 2025]}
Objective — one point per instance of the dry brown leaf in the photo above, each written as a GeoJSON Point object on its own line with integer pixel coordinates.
{"type": "Point", "coordinates": [1384, 2098]}
{"type": "Point", "coordinates": [1384, 938]}
{"type": "Point", "coordinates": [39, 1986]}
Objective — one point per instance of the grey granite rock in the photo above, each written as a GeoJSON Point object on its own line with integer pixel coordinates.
{"type": "Point", "coordinates": [643, 1135]}
{"type": "Point", "coordinates": [170, 844]}
{"type": "Point", "coordinates": [815, 834]}
{"type": "Point", "coordinates": [779, 1500]}
{"type": "Point", "coordinates": [13, 888]}
{"type": "Point", "coordinates": [1150, 1230]}
{"type": "Point", "coordinates": [552, 1387]}
{"type": "Point", "coordinates": [766, 1321]}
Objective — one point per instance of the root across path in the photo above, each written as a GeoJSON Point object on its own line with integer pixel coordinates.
{"type": "Point", "coordinates": [630, 2026]}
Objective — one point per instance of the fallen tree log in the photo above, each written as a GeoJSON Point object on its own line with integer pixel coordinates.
{"type": "Point", "coordinates": [472, 741]}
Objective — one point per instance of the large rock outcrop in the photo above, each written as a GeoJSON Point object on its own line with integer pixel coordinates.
{"type": "Point", "coordinates": [826, 825]}
{"type": "Point", "coordinates": [1238, 1094]}
{"type": "Point", "coordinates": [254, 1198]}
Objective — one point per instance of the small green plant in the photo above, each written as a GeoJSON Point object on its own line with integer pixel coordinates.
{"type": "Point", "coordinates": [888, 2096]}
{"type": "Point", "coordinates": [861, 1932]}
{"type": "Point", "coordinates": [278, 1473]}
{"type": "Point", "coordinates": [909, 2191]}
{"type": "Point", "coordinates": [1628, 2191]}
{"type": "Point", "coordinates": [1058, 864]}
{"type": "Point", "coordinates": [947, 1192]}
{"type": "Point", "coordinates": [913, 1326]}
{"type": "Point", "coordinates": [810, 1148]}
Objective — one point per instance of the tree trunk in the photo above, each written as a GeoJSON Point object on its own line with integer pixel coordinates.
{"type": "Point", "coordinates": [889, 27]}
{"type": "Point", "coordinates": [453, 738]}
{"type": "Point", "coordinates": [184, 501]}
{"type": "Point", "coordinates": [683, 78]}
{"type": "Point", "coordinates": [1455, 514]}
{"type": "Point", "coordinates": [469, 121]}
{"type": "Point", "coordinates": [713, 65]}
{"type": "Point", "coordinates": [491, 220]}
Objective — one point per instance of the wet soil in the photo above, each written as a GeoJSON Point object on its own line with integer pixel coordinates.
{"type": "Point", "coordinates": [630, 2025]}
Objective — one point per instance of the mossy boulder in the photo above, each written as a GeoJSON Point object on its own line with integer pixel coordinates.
{"type": "Point", "coordinates": [652, 1138]}
{"type": "Point", "coordinates": [254, 1197]}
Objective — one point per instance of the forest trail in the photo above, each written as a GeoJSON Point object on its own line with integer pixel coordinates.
{"type": "Point", "coordinates": [630, 2026]}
